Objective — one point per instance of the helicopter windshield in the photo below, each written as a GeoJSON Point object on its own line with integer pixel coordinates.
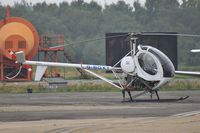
{"type": "Point", "coordinates": [168, 68]}
{"type": "Point", "coordinates": [147, 63]}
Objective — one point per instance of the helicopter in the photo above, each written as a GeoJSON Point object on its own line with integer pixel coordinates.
{"type": "Point", "coordinates": [143, 67]}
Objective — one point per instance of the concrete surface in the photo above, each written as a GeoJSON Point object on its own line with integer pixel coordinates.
{"type": "Point", "coordinates": [99, 112]}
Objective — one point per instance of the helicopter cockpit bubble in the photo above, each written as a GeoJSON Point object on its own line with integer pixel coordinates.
{"type": "Point", "coordinates": [152, 64]}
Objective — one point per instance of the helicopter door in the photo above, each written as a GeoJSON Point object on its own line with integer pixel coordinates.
{"type": "Point", "coordinates": [147, 63]}
{"type": "Point", "coordinates": [148, 66]}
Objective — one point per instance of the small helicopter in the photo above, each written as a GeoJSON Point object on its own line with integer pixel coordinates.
{"type": "Point", "coordinates": [145, 67]}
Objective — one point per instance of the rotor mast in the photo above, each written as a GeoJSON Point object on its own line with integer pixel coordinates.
{"type": "Point", "coordinates": [133, 41]}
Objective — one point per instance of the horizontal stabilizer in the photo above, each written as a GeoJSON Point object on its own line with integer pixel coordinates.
{"type": "Point", "coordinates": [40, 70]}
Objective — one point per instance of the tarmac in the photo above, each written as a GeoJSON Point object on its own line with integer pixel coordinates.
{"type": "Point", "coordinates": [99, 112]}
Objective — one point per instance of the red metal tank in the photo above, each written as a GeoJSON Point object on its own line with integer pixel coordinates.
{"type": "Point", "coordinates": [18, 34]}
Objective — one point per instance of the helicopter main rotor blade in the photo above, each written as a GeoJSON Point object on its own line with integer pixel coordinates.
{"type": "Point", "coordinates": [90, 40]}
{"type": "Point", "coordinates": [171, 34]}
{"type": "Point", "coordinates": [140, 33]}
{"type": "Point", "coordinates": [195, 50]}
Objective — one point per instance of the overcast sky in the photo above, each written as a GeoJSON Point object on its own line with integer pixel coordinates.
{"type": "Point", "coordinates": [101, 2]}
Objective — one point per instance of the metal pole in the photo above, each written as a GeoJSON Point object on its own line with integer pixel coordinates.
{"type": "Point", "coordinates": [133, 40]}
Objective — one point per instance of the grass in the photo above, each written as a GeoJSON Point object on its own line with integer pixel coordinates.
{"type": "Point", "coordinates": [180, 83]}
{"type": "Point", "coordinates": [69, 88]}
{"type": "Point", "coordinates": [18, 88]}
{"type": "Point", "coordinates": [177, 84]}
{"type": "Point", "coordinates": [89, 88]}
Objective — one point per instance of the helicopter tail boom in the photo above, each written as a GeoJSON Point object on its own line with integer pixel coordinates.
{"type": "Point", "coordinates": [42, 66]}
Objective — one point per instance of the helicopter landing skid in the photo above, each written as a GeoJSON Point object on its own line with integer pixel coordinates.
{"type": "Point", "coordinates": [135, 96]}
{"type": "Point", "coordinates": [161, 100]}
{"type": "Point", "coordinates": [183, 98]}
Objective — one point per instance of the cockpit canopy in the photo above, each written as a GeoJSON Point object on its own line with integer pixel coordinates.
{"type": "Point", "coordinates": [148, 64]}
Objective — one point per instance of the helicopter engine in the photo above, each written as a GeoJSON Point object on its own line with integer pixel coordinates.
{"type": "Point", "coordinates": [149, 67]}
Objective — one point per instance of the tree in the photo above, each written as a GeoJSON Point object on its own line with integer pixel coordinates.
{"type": "Point", "coordinates": [80, 20]}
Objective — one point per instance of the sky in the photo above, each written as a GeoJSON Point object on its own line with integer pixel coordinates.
{"type": "Point", "coordinates": [101, 2]}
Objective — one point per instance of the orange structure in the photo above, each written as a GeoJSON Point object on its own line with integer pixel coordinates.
{"type": "Point", "coordinates": [16, 34]}
{"type": "Point", "coordinates": [51, 54]}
